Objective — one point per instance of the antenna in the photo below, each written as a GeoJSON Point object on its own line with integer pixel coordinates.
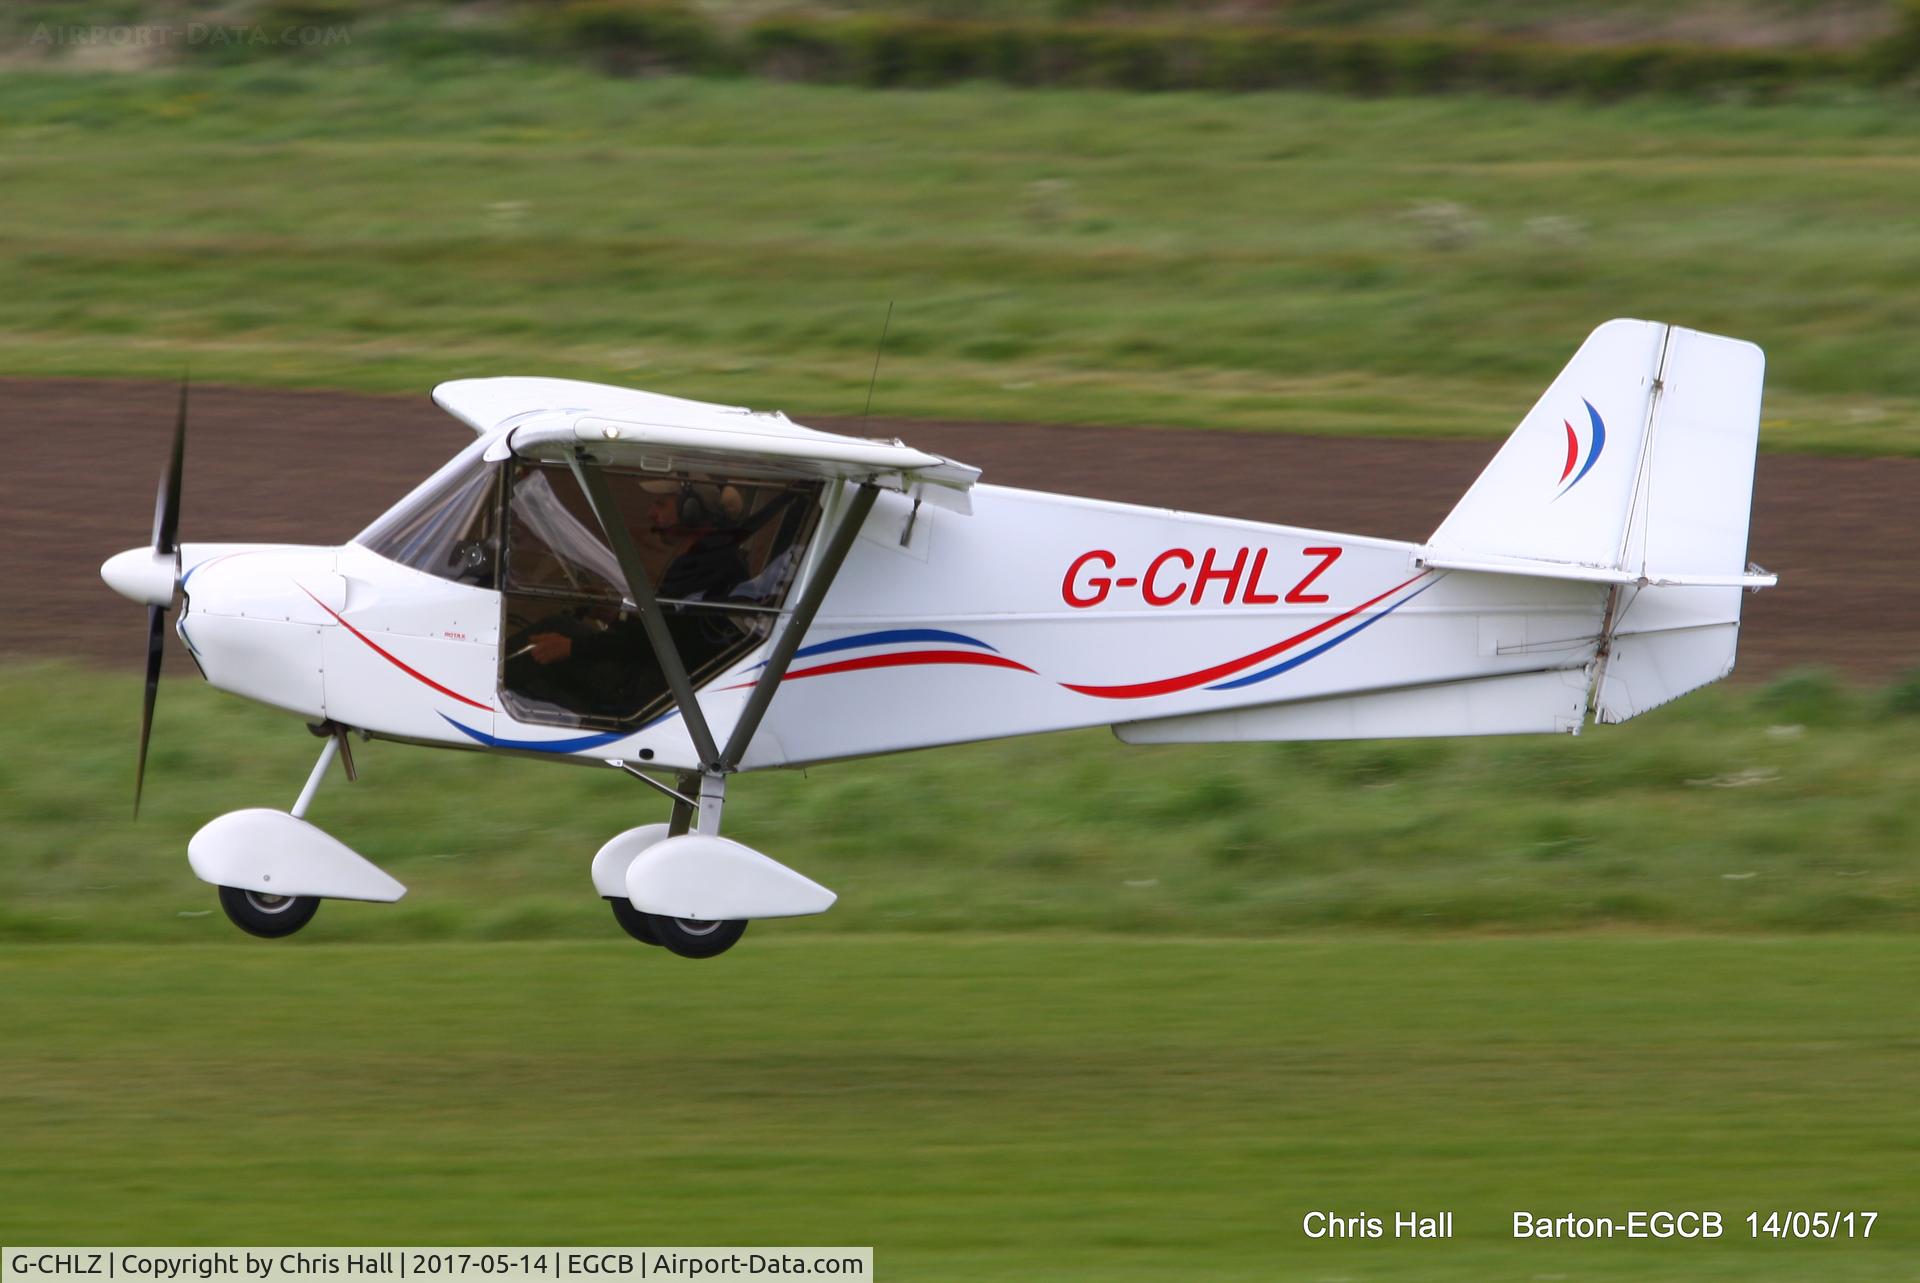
{"type": "Point", "coordinates": [878, 349]}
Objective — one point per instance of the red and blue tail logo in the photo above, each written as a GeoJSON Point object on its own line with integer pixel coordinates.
{"type": "Point", "coordinates": [1578, 459]}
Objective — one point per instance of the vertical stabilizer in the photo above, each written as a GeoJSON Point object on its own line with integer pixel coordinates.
{"type": "Point", "coordinates": [1561, 487]}
{"type": "Point", "coordinates": [1635, 469]}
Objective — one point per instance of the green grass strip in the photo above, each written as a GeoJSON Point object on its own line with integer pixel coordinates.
{"type": "Point", "coordinates": [976, 1108]}
{"type": "Point", "coordinates": [1787, 807]}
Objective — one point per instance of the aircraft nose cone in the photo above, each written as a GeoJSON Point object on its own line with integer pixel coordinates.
{"type": "Point", "coordinates": [142, 575]}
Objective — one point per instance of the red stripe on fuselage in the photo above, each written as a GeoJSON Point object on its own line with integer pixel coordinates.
{"type": "Point", "coordinates": [1169, 685]}
{"type": "Point", "coordinates": [398, 663]}
{"type": "Point", "coordinates": [907, 658]}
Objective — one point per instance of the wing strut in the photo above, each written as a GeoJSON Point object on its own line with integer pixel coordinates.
{"type": "Point", "coordinates": [606, 509]}
{"type": "Point", "coordinates": [797, 624]}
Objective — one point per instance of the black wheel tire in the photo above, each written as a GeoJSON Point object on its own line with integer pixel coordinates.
{"type": "Point", "coordinates": [632, 921]}
{"type": "Point", "coordinates": [691, 938]}
{"type": "Point", "coordinates": [268, 916]}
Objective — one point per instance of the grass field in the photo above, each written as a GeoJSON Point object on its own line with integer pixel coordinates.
{"type": "Point", "coordinates": [1412, 266]}
{"type": "Point", "coordinates": [977, 1108]}
{"type": "Point", "coordinates": [1784, 808]}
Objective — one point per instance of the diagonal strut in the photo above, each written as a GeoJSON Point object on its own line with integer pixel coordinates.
{"type": "Point", "coordinates": [606, 509]}
{"type": "Point", "coordinates": [796, 626]}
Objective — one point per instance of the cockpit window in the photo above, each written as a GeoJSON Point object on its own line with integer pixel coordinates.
{"type": "Point", "coordinates": [702, 538]}
{"type": "Point", "coordinates": [557, 542]}
{"type": "Point", "coordinates": [449, 528]}
{"type": "Point", "coordinates": [720, 555]}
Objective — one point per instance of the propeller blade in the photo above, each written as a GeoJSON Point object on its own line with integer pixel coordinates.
{"type": "Point", "coordinates": [156, 635]}
{"type": "Point", "coordinates": [166, 504]}
{"type": "Point", "coordinates": [166, 528]}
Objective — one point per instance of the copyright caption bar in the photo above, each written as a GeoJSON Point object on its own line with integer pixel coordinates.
{"type": "Point", "coordinates": [428, 1264]}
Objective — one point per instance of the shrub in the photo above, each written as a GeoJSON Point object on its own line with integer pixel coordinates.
{"type": "Point", "coordinates": [633, 38]}
{"type": "Point", "coordinates": [885, 51]}
{"type": "Point", "coordinates": [1903, 697]}
{"type": "Point", "coordinates": [1808, 695]}
{"type": "Point", "coordinates": [796, 49]}
{"type": "Point", "coordinates": [1896, 59]}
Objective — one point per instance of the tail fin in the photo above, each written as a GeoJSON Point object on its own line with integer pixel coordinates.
{"type": "Point", "coordinates": [1635, 469]}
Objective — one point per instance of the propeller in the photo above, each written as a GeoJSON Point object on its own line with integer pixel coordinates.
{"type": "Point", "coordinates": [166, 528]}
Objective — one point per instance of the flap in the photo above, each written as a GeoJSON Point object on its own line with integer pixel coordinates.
{"type": "Point", "coordinates": [1754, 578]}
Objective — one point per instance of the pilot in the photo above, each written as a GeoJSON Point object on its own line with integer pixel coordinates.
{"type": "Point", "coordinates": [704, 525]}
{"type": "Point", "coordinates": [709, 566]}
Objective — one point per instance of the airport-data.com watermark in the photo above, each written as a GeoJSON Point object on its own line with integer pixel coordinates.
{"type": "Point", "coordinates": [190, 35]}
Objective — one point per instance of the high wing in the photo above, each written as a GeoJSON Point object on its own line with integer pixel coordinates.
{"type": "Point", "coordinates": [553, 419]}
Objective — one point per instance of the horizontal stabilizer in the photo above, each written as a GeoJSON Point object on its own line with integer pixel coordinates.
{"type": "Point", "coordinates": [1754, 578]}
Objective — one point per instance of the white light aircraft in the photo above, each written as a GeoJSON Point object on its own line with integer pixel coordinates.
{"type": "Point", "coordinates": [652, 585]}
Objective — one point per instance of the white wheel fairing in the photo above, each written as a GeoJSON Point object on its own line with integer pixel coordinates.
{"type": "Point", "coordinates": [611, 861]}
{"type": "Point", "coordinates": [270, 853]}
{"type": "Point", "coordinates": [710, 880]}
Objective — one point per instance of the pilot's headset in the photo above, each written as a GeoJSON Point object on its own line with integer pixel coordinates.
{"type": "Point", "coordinates": [693, 510]}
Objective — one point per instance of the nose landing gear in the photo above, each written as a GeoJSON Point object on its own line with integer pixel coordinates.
{"type": "Point", "coordinates": [272, 868]}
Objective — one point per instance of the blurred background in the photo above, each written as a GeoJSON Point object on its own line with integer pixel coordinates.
{"type": "Point", "coordinates": [1083, 1010]}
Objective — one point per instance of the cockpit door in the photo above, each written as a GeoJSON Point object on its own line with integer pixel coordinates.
{"type": "Point", "coordinates": [720, 555]}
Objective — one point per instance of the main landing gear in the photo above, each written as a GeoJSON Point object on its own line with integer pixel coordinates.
{"type": "Point", "coordinates": [688, 937]}
{"type": "Point", "coordinates": [269, 916]}
{"type": "Point", "coordinates": [696, 799]}
{"type": "Point", "coordinates": [683, 887]}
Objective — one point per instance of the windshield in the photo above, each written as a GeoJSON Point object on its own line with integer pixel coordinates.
{"type": "Point", "coordinates": [447, 527]}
